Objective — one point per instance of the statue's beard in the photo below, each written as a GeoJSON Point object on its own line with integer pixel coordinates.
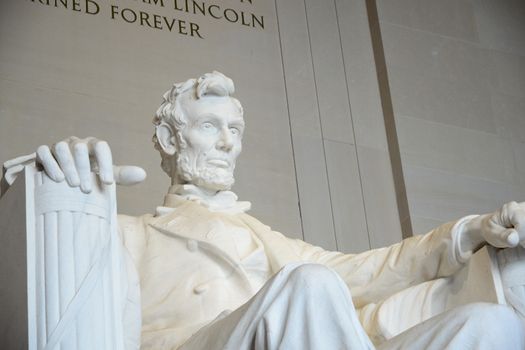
{"type": "Point", "coordinates": [209, 177]}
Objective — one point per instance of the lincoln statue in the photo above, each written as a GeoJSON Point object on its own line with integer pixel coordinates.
{"type": "Point", "coordinates": [203, 274]}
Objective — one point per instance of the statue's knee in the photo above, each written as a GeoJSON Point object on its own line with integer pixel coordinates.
{"type": "Point", "coordinates": [507, 319]}
{"type": "Point", "coordinates": [491, 317]}
{"type": "Point", "coordinates": [313, 277]}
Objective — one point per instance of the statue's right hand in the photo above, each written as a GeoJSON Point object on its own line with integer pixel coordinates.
{"type": "Point", "coordinates": [73, 159]}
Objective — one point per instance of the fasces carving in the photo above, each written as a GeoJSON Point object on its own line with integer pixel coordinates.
{"type": "Point", "coordinates": [74, 294]}
{"type": "Point", "coordinates": [78, 287]}
{"type": "Point", "coordinates": [213, 277]}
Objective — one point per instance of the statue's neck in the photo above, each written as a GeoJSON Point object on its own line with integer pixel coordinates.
{"type": "Point", "coordinates": [191, 192]}
{"type": "Point", "coordinates": [221, 201]}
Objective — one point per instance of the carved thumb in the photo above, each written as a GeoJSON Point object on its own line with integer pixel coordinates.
{"type": "Point", "coordinates": [128, 175]}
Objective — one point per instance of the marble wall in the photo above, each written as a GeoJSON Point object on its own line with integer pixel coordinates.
{"type": "Point", "coordinates": [456, 70]}
{"type": "Point", "coordinates": [344, 176]}
{"type": "Point", "coordinates": [315, 163]}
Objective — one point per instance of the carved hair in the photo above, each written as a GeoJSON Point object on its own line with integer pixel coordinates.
{"type": "Point", "coordinates": [172, 113]}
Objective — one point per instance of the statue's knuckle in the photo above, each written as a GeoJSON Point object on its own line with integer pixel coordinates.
{"type": "Point", "coordinates": [62, 146]}
{"type": "Point", "coordinates": [79, 147]}
{"type": "Point", "coordinates": [101, 145]}
{"type": "Point", "coordinates": [43, 149]}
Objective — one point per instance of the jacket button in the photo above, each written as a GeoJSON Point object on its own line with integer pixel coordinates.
{"type": "Point", "coordinates": [201, 288]}
{"type": "Point", "coordinates": [192, 245]}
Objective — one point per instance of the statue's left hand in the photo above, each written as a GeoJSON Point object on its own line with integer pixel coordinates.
{"type": "Point", "coordinates": [505, 228]}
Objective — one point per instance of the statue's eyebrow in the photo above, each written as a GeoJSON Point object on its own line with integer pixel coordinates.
{"type": "Point", "coordinates": [237, 122]}
{"type": "Point", "coordinates": [207, 116]}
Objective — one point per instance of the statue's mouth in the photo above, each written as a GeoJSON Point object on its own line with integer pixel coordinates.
{"type": "Point", "coordinates": [219, 163]}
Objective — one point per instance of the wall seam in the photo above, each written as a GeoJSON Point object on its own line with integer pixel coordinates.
{"type": "Point", "coordinates": [320, 124]}
{"type": "Point", "coordinates": [353, 127]}
{"type": "Point", "coordinates": [289, 119]}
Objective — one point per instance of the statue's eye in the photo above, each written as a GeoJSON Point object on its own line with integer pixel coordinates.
{"type": "Point", "coordinates": [235, 131]}
{"type": "Point", "coordinates": [207, 126]}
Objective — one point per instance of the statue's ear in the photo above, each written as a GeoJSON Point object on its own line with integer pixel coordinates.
{"type": "Point", "coordinates": [166, 138]}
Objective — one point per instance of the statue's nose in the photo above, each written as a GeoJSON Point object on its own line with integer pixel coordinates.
{"type": "Point", "coordinates": [225, 142]}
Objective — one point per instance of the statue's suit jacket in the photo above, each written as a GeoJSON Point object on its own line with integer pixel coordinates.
{"type": "Point", "coordinates": [188, 278]}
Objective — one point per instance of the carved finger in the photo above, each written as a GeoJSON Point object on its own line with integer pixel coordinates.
{"type": "Point", "coordinates": [67, 164]}
{"type": "Point", "coordinates": [498, 235]}
{"type": "Point", "coordinates": [520, 229]}
{"type": "Point", "coordinates": [516, 215]}
{"type": "Point", "coordinates": [81, 156]}
{"type": "Point", "coordinates": [513, 214]}
{"type": "Point", "coordinates": [45, 157]}
{"type": "Point", "coordinates": [511, 238]}
{"type": "Point", "coordinates": [104, 161]}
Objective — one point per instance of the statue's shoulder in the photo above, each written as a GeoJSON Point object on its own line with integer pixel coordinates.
{"type": "Point", "coordinates": [133, 228]}
{"type": "Point", "coordinates": [133, 233]}
{"type": "Point", "coordinates": [129, 224]}
{"type": "Point", "coordinates": [253, 222]}
{"type": "Point", "coordinates": [262, 230]}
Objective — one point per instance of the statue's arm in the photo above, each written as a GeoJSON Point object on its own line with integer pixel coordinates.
{"type": "Point", "coordinates": [375, 274]}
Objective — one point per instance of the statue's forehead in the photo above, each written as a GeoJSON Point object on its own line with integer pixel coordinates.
{"type": "Point", "coordinates": [222, 107]}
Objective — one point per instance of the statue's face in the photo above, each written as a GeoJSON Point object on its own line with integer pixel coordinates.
{"type": "Point", "coordinates": [211, 142]}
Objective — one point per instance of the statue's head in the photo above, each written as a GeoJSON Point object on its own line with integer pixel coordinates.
{"type": "Point", "coordinates": [198, 132]}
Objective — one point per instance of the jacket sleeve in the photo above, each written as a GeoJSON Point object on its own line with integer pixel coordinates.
{"type": "Point", "coordinates": [376, 274]}
{"type": "Point", "coordinates": [133, 238]}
